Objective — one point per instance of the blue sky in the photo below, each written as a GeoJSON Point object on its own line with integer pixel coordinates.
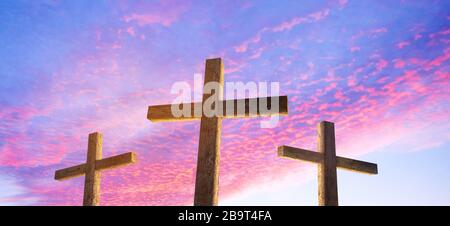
{"type": "Point", "coordinates": [378, 69]}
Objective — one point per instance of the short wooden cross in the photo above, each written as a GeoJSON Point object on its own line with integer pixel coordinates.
{"type": "Point", "coordinates": [207, 177]}
{"type": "Point", "coordinates": [91, 169]}
{"type": "Point", "coordinates": [328, 161]}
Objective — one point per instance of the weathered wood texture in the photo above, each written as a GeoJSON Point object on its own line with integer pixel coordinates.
{"type": "Point", "coordinates": [316, 157]}
{"type": "Point", "coordinates": [328, 191]}
{"type": "Point", "coordinates": [327, 163]}
{"type": "Point", "coordinates": [91, 169]}
{"type": "Point", "coordinates": [70, 172]}
{"type": "Point", "coordinates": [103, 164]}
{"type": "Point", "coordinates": [357, 166]}
{"type": "Point", "coordinates": [207, 176]}
{"type": "Point", "coordinates": [116, 161]}
{"type": "Point", "coordinates": [299, 154]}
{"type": "Point", "coordinates": [92, 177]}
{"type": "Point", "coordinates": [163, 113]}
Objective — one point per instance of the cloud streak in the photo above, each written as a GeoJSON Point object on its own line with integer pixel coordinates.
{"type": "Point", "coordinates": [350, 72]}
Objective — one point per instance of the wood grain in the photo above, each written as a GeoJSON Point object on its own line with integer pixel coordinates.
{"type": "Point", "coordinates": [91, 169]}
{"type": "Point", "coordinates": [328, 191]}
{"type": "Point", "coordinates": [207, 176]}
{"type": "Point", "coordinates": [92, 177]}
{"type": "Point", "coordinates": [316, 157]}
{"type": "Point", "coordinates": [327, 163]}
{"type": "Point", "coordinates": [103, 164]}
{"type": "Point", "coordinates": [357, 166]}
{"type": "Point", "coordinates": [163, 113]}
{"type": "Point", "coordinates": [299, 154]}
{"type": "Point", "coordinates": [115, 161]}
{"type": "Point", "coordinates": [70, 172]}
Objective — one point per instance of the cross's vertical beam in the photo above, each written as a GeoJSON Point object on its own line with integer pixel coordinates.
{"type": "Point", "coordinates": [328, 192]}
{"type": "Point", "coordinates": [207, 178]}
{"type": "Point", "coordinates": [92, 177]}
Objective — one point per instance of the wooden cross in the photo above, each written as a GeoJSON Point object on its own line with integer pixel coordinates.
{"type": "Point", "coordinates": [91, 169]}
{"type": "Point", "coordinates": [207, 176]}
{"type": "Point", "coordinates": [328, 161]}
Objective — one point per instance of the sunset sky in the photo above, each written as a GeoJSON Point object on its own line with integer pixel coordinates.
{"type": "Point", "coordinates": [378, 69]}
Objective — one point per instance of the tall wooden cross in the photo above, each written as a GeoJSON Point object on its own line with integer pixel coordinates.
{"type": "Point", "coordinates": [207, 176]}
{"type": "Point", "coordinates": [328, 161]}
{"type": "Point", "coordinates": [91, 169]}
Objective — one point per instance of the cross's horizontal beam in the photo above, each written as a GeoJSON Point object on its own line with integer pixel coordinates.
{"type": "Point", "coordinates": [103, 164]}
{"type": "Point", "coordinates": [70, 172]}
{"type": "Point", "coordinates": [116, 161]}
{"type": "Point", "coordinates": [163, 113]}
{"type": "Point", "coordinates": [316, 157]}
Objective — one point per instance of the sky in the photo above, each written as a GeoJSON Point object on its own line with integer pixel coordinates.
{"type": "Point", "coordinates": [378, 69]}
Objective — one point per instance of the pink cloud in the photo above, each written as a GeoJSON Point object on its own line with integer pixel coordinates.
{"type": "Point", "coordinates": [131, 31]}
{"type": "Point", "coordinates": [168, 13]}
{"type": "Point", "coordinates": [373, 33]}
{"type": "Point", "coordinates": [403, 44]}
{"type": "Point", "coordinates": [288, 25]}
{"type": "Point", "coordinates": [378, 30]}
{"type": "Point", "coordinates": [398, 63]}
{"type": "Point", "coordinates": [351, 81]}
{"type": "Point", "coordinates": [283, 26]}
{"type": "Point", "coordinates": [103, 92]}
{"type": "Point", "coordinates": [381, 64]}
{"type": "Point", "coordinates": [146, 19]}
{"type": "Point", "coordinates": [440, 59]}
{"type": "Point", "coordinates": [234, 65]}
{"type": "Point", "coordinates": [241, 48]}
{"type": "Point", "coordinates": [116, 46]}
{"type": "Point", "coordinates": [244, 45]}
{"type": "Point", "coordinates": [440, 33]}
{"type": "Point", "coordinates": [343, 2]}
{"type": "Point", "coordinates": [339, 95]}
{"type": "Point", "coordinates": [355, 49]}
{"type": "Point", "coordinates": [417, 36]}
{"type": "Point", "coordinates": [320, 15]}
{"type": "Point", "coordinates": [257, 53]}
